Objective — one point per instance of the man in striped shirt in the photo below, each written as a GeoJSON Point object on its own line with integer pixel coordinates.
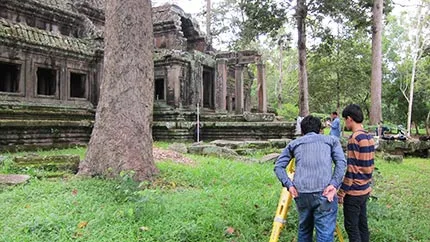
{"type": "Point", "coordinates": [315, 181]}
{"type": "Point", "coordinates": [355, 188]}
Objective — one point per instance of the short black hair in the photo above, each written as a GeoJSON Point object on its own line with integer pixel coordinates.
{"type": "Point", "coordinates": [353, 111]}
{"type": "Point", "coordinates": [310, 124]}
{"type": "Point", "coordinates": [334, 113]}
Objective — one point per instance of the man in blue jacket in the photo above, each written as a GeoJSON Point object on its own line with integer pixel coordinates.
{"type": "Point", "coordinates": [334, 125]}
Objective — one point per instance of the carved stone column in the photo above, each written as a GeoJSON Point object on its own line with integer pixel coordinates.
{"type": "Point", "coordinates": [261, 88]}
{"type": "Point", "coordinates": [221, 86]}
{"type": "Point", "coordinates": [239, 89]}
{"type": "Point", "coordinates": [173, 85]}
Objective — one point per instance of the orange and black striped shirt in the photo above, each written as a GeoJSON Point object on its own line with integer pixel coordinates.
{"type": "Point", "coordinates": [360, 165]}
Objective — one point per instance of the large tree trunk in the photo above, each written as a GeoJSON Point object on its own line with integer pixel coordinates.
{"type": "Point", "coordinates": [122, 136]}
{"type": "Point", "coordinates": [303, 76]}
{"type": "Point", "coordinates": [376, 81]}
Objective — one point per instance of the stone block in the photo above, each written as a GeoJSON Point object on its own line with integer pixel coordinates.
{"type": "Point", "coordinates": [179, 147]}
{"type": "Point", "coordinates": [212, 150]}
{"type": "Point", "coordinates": [68, 163]}
{"type": "Point", "coordinates": [246, 151]}
{"type": "Point", "coordinates": [279, 143]}
{"type": "Point", "coordinates": [270, 158]}
{"type": "Point", "coordinates": [12, 179]}
{"type": "Point", "coordinates": [257, 144]}
{"type": "Point", "coordinates": [258, 117]}
{"type": "Point", "coordinates": [393, 158]}
{"type": "Point", "coordinates": [229, 144]}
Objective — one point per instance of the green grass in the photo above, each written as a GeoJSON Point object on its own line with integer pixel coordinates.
{"type": "Point", "coordinates": [197, 203]}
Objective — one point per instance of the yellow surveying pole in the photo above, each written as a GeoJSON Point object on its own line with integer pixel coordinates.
{"type": "Point", "coordinates": [282, 211]}
{"type": "Point", "coordinates": [283, 206]}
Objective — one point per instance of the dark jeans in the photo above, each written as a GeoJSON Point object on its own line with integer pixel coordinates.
{"type": "Point", "coordinates": [355, 213]}
{"type": "Point", "coordinates": [315, 210]}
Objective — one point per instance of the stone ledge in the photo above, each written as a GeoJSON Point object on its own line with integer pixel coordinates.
{"type": "Point", "coordinates": [13, 179]}
{"type": "Point", "coordinates": [69, 163]}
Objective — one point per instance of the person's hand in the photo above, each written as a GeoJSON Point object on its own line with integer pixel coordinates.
{"type": "Point", "coordinates": [293, 191]}
{"type": "Point", "coordinates": [329, 193]}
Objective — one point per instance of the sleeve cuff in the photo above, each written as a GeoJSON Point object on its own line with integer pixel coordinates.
{"type": "Point", "coordinates": [287, 184]}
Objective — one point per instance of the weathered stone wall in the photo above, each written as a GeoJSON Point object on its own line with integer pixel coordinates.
{"type": "Point", "coordinates": [34, 127]}
{"type": "Point", "coordinates": [180, 125]}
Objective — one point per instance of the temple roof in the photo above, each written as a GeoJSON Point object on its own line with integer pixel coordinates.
{"type": "Point", "coordinates": [17, 33]}
{"type": "Point", "coordinates": [65, 5]}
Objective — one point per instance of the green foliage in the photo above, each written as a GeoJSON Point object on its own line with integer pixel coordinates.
{"type": "Point", "coordinates": [288, 111]}
{"type": "Point", "coordinates": [245, 21]}
{"type": "Point", "coordinates": [263, 17]}
{"type": "Point", "coordinates": [339, 72]}
{"type": "Point", "coordinates": [398, 50]}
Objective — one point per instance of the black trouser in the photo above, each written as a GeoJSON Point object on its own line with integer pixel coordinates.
{"type": "Point", "coordinates": [355, 213]}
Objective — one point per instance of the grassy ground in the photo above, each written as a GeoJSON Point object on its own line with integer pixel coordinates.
{"type": "Point", "coordinates": [213, 200]}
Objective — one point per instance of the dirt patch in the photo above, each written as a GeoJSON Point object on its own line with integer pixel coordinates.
{"type": "Point", "coordinates": [162, 155]}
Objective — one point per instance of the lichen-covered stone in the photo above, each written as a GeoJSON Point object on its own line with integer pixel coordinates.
{"type": "Point", "coordinates": [179, 147]}
{"type": "Point", "coordinates": [270, 158]}
{"type": "Point", "coordinates": [393, 158]}
{"type": "Point", "coordinates": [232, 144]}
{"type": "Point", "coordinates": [401, 147]}
{"type": "Point", "coordinates": [246, 151]}
{"type": "Point", "coordinates": [12, 179]}
{"type": "Point", "coordinates": [259, 117]}
{"type": "Point", "coordinates": [212, 150]}
{"type": "Point", "coordinates": [51, 163]}
{"type": "Point", "coordinates": [279, 143]}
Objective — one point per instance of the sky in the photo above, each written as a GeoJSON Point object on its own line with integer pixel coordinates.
{"type": "Point", "coordinates": [196, 6]}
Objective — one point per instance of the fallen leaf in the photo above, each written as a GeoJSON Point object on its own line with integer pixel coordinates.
{"type": "Point", "coordinates": [82, 224]}
{"type": "Point", "coordinates": [229, 230]}
{"type": "Point", "coordinates": [143, 228]}
{"type": "Point", "coordinates": [77, 235]}
{"type": "Point", "coordinates": [27, 205]}
{"type": "Point", "coordinates": [75, 192]}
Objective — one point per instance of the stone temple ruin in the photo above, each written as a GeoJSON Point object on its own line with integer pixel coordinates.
{"type": "Point", "coordinates": [51, 62]}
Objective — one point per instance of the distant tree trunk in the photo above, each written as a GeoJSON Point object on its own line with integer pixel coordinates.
{"type": "Point", "coordinates": [122, 136]}
{"type": "Point", "coordinates": [338, 91]}
{"type": "Point", "coordinates": [417, 51]}
{"type": "Point", "coordinates": [301, 13]}
{"type": "Point", "coordinates": [279, 87]}
{"type": "Point", "coordinates": [428, 124]}
{"type": "Point", "coordinates": [417, 129]}
{"type": "Point", "coordinates": [208, 22]}
{"type": "Point", "coordinates": [376, 82]}
{"type": "Point", "coordinates": [411, 94]}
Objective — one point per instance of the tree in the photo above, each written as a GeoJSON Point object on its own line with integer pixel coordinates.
{"type": "Point", "coordinates": [308, 12]}
{"type": "Point", "coordinates": [339, 68]}
{"type": "Point", "coordinates": [420, 42]}
{"type": "Point", "coordinates": [283, 43]}
{"type": "Point", "coordinates": [399, 45]}
{"type": "Point", "coordinates": [122, 136]}
{"type": "Point", "coordinates": [238, 23]}
{"type": "Point", "coordinates": [301, 14]}
{"type": "Point", "coordinates": [208, 22]}
{"type": "Point", "coordinates": [376, 81]}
